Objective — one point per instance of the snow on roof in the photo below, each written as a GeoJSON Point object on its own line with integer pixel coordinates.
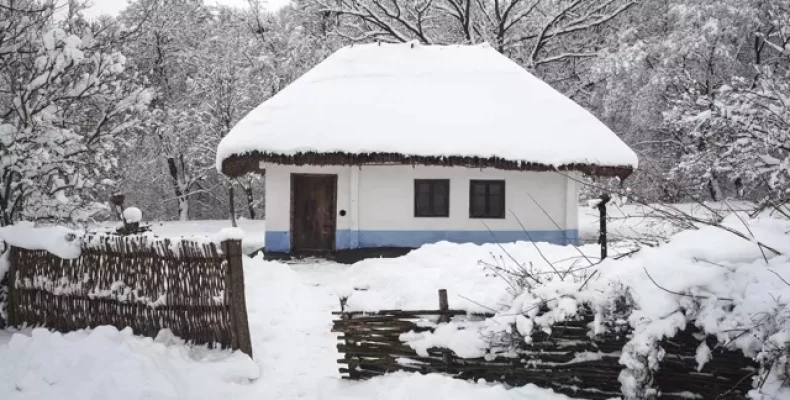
{"type": "Point", "coordinates": [428, 101]}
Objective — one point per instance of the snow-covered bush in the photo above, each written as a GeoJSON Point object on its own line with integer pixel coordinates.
{"type": "Point", "coordinates": [730, 288]}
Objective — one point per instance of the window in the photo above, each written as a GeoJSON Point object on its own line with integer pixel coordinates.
{"type": "Point", "coordinates": [431, 197]}
{"type": "Point", "coordinates": [486, 199]}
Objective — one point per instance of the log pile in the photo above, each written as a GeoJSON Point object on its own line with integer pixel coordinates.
{"type": "Point", "coordinates": [567, 360]}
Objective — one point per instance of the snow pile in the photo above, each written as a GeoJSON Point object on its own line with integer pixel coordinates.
{"type": "Point", "coordinates": [206, 230]}
{"type": "Point", "coordinates": [471, 273]}
{"type": "Point", "coordinates": [229, 234]}
{"type": "Point", "coordinates": [436, 101]}
{"type": "Point", "coordinates": [105, 363]}
{"type": "Point", "coordinates": [60, 241]}
{"type": "Point", "coordinates": [132, 215]}
{"type": "Point", "coordinates": [731, 288]}
{"type": "Point", "coordinates": [402, 385]}
{"type": "Point", "coordinates": [456, 336]}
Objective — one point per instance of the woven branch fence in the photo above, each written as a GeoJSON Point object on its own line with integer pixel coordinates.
{"type": "Point", "coordinates": [194, 289]}
{"type": "Point", "coordinates": [567, 360]}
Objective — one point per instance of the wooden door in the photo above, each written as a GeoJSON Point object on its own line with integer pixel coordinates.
{"type": "Point", "coordinates": [313, 213]}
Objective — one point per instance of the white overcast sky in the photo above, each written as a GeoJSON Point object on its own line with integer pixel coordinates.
{"type": "Point", "coordinates": [113, 7]}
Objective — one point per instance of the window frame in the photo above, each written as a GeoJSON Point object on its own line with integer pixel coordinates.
{"type": "Point", "coordinates": [487, 199]}
{"type": "Point", "coordinates": [431, 195]}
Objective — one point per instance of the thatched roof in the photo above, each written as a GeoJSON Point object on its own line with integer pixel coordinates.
{"type": "Point", "coordinates": [433, 105]}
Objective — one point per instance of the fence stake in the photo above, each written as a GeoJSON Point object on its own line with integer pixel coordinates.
{"type": "Point", "coordinates": [444, 305]}
{"type": "Point", "coordinates": [238, 304]}
{"type": "Point", "coordinates": [11, 303]}
{"type": "Point", "coordinates": [602, 229]}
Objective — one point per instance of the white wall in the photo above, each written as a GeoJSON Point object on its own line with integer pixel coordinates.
{"type": "Point", "coordinates": [381, 199]}
{"type": "Point", "coordinates": [386, 199]}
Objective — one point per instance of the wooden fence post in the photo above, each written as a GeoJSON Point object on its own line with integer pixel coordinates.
{"type": "Point", "coordinates": [240, 335]}
{"type": "Point", "coordinates": [602, 228]}
{"type": "Point", "coordinates": [11, 301]}
{"type": "Point", "coordinates": [444, 306]}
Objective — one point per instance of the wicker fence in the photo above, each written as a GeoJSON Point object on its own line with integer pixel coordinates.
{"type": "Point", "coordinates": [567, 361]}
{"type": "Point", "coordinates": [194, 289]}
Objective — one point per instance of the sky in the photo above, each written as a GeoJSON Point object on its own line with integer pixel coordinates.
{"type": "Point", "coordinates": [113, 7]}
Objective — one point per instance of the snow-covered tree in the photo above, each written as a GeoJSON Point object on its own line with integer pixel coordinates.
{"type": "Point", "coordinates": [670, 54]}
{"type": "Point", "coordinates": [739, 133]}
{"type": "Point", "coordinates": [164, 52]}
{"type": "Point", "coordinates": [66, 104]}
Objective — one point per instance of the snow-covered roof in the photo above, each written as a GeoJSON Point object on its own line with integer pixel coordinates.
{"type": "Point", "coordinates": [423, 102]}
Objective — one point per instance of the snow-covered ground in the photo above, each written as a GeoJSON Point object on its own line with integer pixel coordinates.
{"type": "Point", "coordinates": [289, 310]}
{"type": "Point", "coordinates": [290, 307]}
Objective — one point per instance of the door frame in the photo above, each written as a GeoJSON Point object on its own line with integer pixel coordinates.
{"type": "Point", "coordinates": [333, 206]}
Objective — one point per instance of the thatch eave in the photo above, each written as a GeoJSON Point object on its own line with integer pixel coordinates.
{"type": "Point", "coordinates": [239, 164]}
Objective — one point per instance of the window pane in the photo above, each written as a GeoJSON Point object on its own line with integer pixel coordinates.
{"type": "Point", "coordinates": [487, 199]}
{"type": "Point", "coordinates": [478, 206]}
{"type": "Point", "coordinates": [495, 206]}
{"type": "Point", "coordinates": [439, 203]}
{"type": "Point", "coordinates": [423, 205]}
{"type": "Point", "coordinates": [431, 197]}
{"type": "Point", "coordinates": [443, 187]}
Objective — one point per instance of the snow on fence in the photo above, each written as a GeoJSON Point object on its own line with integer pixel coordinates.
{"type": "Point", "coordinates": [566, 360]}
{"type": "Point", "coordinates": [194, 289]}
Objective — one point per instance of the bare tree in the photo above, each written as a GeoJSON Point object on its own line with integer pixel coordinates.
{"type": "Point", "coordinates": [533, 27]}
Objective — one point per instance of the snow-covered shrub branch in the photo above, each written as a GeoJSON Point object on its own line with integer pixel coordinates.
{"type": "Point", "coordinates": [717, 281]}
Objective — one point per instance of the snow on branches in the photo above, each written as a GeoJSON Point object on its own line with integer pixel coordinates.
{"type": "Point", "coordinates": [739, 132]}
{"type": "Point", "coordinates": [528, 27]}
{"type": "Point", "coordinates": [709, 278]}
{"type": "Point", "coordinates": [65, 103]}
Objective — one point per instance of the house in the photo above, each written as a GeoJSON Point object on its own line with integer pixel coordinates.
{"type": "Point", "coordinates": [398, 145]}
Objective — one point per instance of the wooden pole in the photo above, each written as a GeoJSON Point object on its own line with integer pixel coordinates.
{"type": "Point", "coordinates": [602, 228]}
{"type": "Point", "coordinates": [11, 295]}
{"type": "Point", "coordinates": [240, 335]}
{"type": "Point", "coordinates": [444, 306]}
{"type": "Point", "coordinates": [232, 205]}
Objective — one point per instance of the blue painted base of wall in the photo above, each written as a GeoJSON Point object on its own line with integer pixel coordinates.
{"type": "Point", "coordinates": [280, 241]}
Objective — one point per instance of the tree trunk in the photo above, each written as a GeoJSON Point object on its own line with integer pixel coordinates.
{"type": "Point", "coordinates": [232, 205]}
{"type": "Point", "coordinates": [179, 188]}
{"type": "Point", "coordinates": [250, 199]}
{"type": "Point", "coordinates": [714, 187]}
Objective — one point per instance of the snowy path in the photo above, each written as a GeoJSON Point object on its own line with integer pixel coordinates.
{"type": "Point", "coordinates": [290, 320]}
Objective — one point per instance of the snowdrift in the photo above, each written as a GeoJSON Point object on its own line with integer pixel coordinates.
{"type": "Point", "coordinates": [106, 362]}
{"type": "Point", "coordinates": [734, 289]}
